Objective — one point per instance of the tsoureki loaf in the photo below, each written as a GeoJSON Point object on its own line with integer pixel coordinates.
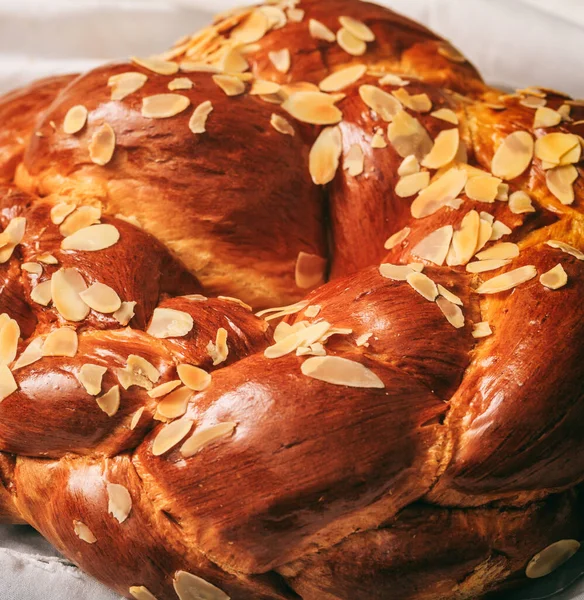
{"type": "Point", "coordinates": [293, 311]}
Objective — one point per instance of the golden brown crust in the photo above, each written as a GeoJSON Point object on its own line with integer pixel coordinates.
{"type": "Point", "coordinates": [409, 430]}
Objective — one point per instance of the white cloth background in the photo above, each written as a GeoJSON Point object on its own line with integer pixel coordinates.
{"type": "Point", "coordinates": [513, 42]}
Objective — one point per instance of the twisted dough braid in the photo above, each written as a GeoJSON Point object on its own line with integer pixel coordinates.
{"type": "Point", "coordinates": [410, 429]}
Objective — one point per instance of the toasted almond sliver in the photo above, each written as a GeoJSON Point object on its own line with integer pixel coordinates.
{"type": "Point", "coordinates": [399, 272]}
{"type": "Point", "coordinates": [280, 59]}
{"type": "Point", "coordinates": [136, 418]}
{"type": "Point", "coordinates": [434, 247]}
{"type": "Point", "coordinates": [444, 149]}
{"type": "Point", "coordinates": [101, 298]}
{"type": "Point", "coordinates": [233, 61]}
{"type": "Point", "coordinates": [297, 337]}
{"type": "Point", "coordinates": [550, 558]}
{"type": "Point", "coordinates": [554, 278]}
{"type": "Point", "coordinates": [315, 108]}
{"type": "Point", "coordinates": [520, 202]}
{"type": "Point", "coordinates": [170, 435]}
{"type": "Point", "coordinates": [75, 119]}
{"type": "Point", "coordinates": [445, 114]}
{"type": "Point", "coordinates": [482, 266]}
{"type": "Point", "coordinates": [139, 372]}
{"type": "Point", "coordinates": [281, 311]}
{"type": "Point", "coordinates": [546, 117]}
{"type": "Point", "coordinates": [32, 267]}
{"type": "Point", "coordinates": [324, 155]}
{"type": "Point", "coordinates": [513, 156]}
{"type": "Point", "coordinates": [465, 240]}
{"type": "Point", "coordinates": [503, 250]}
{"type": "Point", "coordinates": [164, 388]}
{"type": "Point", "coordinates": [412, 184]}
{"type": "Point", "coordinates": [499, 229]}
{"type": "Point", "coordinates": [357, 28]}
{"type": "Point", "coordinates": [119, 501]}
{"type": "Point", "coordinates": [275, 15]}
{"type": "Point", "coordinates": [552, 147]}
{"type": "Point", "coordinates": [90, 377]}
{"type": "Point", "coordinates": [416, 102]}
{"type": "Point", "coordinates": [61, 342]}
{"type": "Point", "coordinates": [252, 29]}
{"type": "Point", "coordinates": [340, 371]}
{"type": "Point", "coordinates": [31, 354]}
{"type": "Point", "coordinates": [125, 313]}
{"type": "Point", "coordinates": [83, 532]}
{"type": "Point", "coordinates": [319, 31]}
{"type": "Point", "coordinates": [203, 437]}
{"type": "Point", "coordinates": [82, 217]}
{"type": "Point", "coordinates": [162, 67]}
{"type": "Point", "coordinates": [41, 293]}
{"type": "Point", "coordinates": [193, 377]}
{"type": "Point", "coordinates": [191, 587]}
{"type": "Point", "coordinates": [483, 188]}
{"type": "Point", "coordinates": [60, 211]}
{"type": "Point", "coordinates": [8, 384]}
{"type": "Point", "coordinates": [354, 161]}
{"type": "Point", "coordinates": [163, 106]}
{"type": "Point", "coordinates": [377, 141]}
{"type": "Point", "coordinates": [198, 120]}
{"type": "Point", "coordinates": [281, 125]}
{"type": "Point", "coordinates": [407, 136]}
{"type": "Point", "coordinates": [180, 83]}
{"type": "Point", "coordinates": [295, 15]}
{"type": "Point", "coordinates": [507, 281]}
{"type": "Point", "coordinates": [102, 145]}
{"type": "Point", "coordinates": [559, 181]}
{"type": "Point", "coordinates": [175, 404]}
{"type": "Point", "coordinates": [438, 193]}
{"type": "Point", "coordinates": [451, 311]}
{"type": "Point", "coordinates": [349, 43]}
{"type": "Point", "coordinates": [92, 239]}
{"type": "Point", "coordinates": [408, 166]}
{"type": "Point", "coordinates": [218, 350]}
{"type": "Point", "coordinates": [110, 401]}
{"type": "Point", "coordinates": [397, 238]}
{"type": "Point", "coordinates": [309, 271]}
{"type": "Point", "coordinates": [571, 250]}
{"type": "Point", "coordinates": [481, 330]}
{"type": "Point", "coordinates": [449, 295]}
{"type": "Point", "coordinates": [339, 80]}
{"type": "Point", "coordinates": [378, 100]}
{"type": "Point", "coordinates": [66, 285]}
{"type": "Point", "coordinates": [423, 285]}
{"type": "Point", "coordinates": [125, 84]}
{"type": "Point", "coordinates": [393, 79]}
{"type": "Point", "coordinates": [168, 322]}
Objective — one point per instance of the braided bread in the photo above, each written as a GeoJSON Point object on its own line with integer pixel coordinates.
{"type": "Point", "coordinates": [294, 311]}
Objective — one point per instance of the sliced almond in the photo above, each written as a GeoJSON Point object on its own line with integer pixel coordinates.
{"type": "Point", "coordinates": [32, 267]}
{"type": "Point", "coordinates": [82, 217]}
{"type": "Point", "coordinates": [313, 107]}
{"type": "Point", "coordinates": [357, 28]}
{"type": "Point", "coordinates": [546, 117]}
{"type": "Point", "coordinates": [175, 404]}
{"type": "Point", "coordinates": [218, 350]}
{"type": "Point", "coordinates": [31, 354]}
{"type": "Point", "coordinates": [444, 149]}
{"type": "Point", "coordinates": [354, 161]}
{"type": "Point", "coordinates": [125, 313]}
{"type": "Point", "coordinates": [412, 184]}
{"type": "Point", "coordinates": [164, 388]}
{"type": "Point", "coordinates": [393, 79]}
{"type": "Point", "coordinates": [252, 29]}
{"type": "Point", "coordinates": [198, 120]}
{"type": "Point", "coordinates": [139, 372]}
{"type": "Point", "coordinates": [90, 377]}
{"type": "Point", "coordinates": [377, 141]}
{"type": "Point", "coordinates": [553, 147]}
{"type": "Point", "coordinates": [502, 250]}
{"type": "Point", "coordinates": [8, 384]}
{"type": "Point", "coordinates": [125, 84]}
{"type": "Point", "coordinates": [61, 211]}
{"type": "Point", "coordinates": [275, 15]}
{"type": "Point", "coordinates": [61, 342]}
{"type": "Point", "coordinates": [408, 166]}
{"type": "Point", "coordinates": [378, 100]}
{"type": "Point", "coordinates": [281, 311]}
{"type": "Point", "coordinates": [416, 102]}
{"type": "Point", "coordinates": [482, 266]}
{"type": "Point", "coordinates": [499, 229]}
{"type": "Point", "coordinates": [349, 43]}
{"type": "Point", "coordinates": [75, 119]}
{"type": "Point", "coordinates": [295, 15]}
{"type": "Point", "coordinates": [513, 156]}
{"type": "Point", "coordinates": [423, 285]}
{"type": "Point", "coordinates": [324, 155]}
{"type": "Point", "coordinates": [319, 31]}
{"type": "Point", "coordinates": [92, 239]}
{"type": "Point", "coordinates": [110, 401]}
{"type": "Point", "coordinates": [397, 238]}
{"type": "Point", "coordinates": [162, 67]}
{"type": "Point", "coordinates": [163, 106]}
{"type": "Point", "coordinates": [312, 311]}
{"type": "Point", "coordinates": [399, 272]}
{"type": "Point", "coordinates": [180, 83]}
{"type": "Point", "coordinates": [136, 418]}
{"type": "Point", "coordinates": [83, 532]}
{"type": "Point", "coordinates": [340, 371]}
{"type": "Point", "coordinates": [481, 330]}
{"type": "Point", "coordinates": [297, 337]}
{"type": "Point", "coordinates": [445, 114]}
{"type": "Point", "coordinates": [204, 437]}
{"type": "Point", "coordinates": [465, 240]}
{"type": "Point", "coordinates": [168, 322]}
{"type": "Point", "coordinates": [310, 270]}
{"type": "Point", "coordinates": [566, 248]}
{"type": "Point", "coordinates": [193, 377]}
{"type": "Point", "coordinates": [101, 298]}
{"type": "Point", "coordinates": [483, 188]}
{"type": "Point", "coordinates": [280, 59]}
{"type": "Point", "coordinates": [439, 193]}
{"type": "Point", "coordinates": [191, 587]}
{"type": "Point", "coordinates": [559, 181]}
{"type": "Point", "coordinates": [520, 202]}
{"type": "Point", "coordinates": [434, 247]}
{"type": "Point", "coordinates": [119, 501]}
{"type": "Point", "coordinates": [102, 145]}
{"type": "Point", "coordinates": [339, 80]}
{"type": "Point", "coordinates": [550, 558]}
{"type": "Point", "coordinates": [554, 278]}
{"type": "Point", "coordinates": [170, 435]}
{"type": "Point", "coordinates": [451, 311]}
{"type": "Point", "coordinates": [66, 285]}
{"type": "Point", "coordinates": [139, 592]}
{"type": "Point", "coordinates": [281, 125]}
{"type": "Point", "coordinates": [449, 295]}
{"type": "Point", "coordinates": [507, 281]}
{"type": "Point", "coordinates": [407, 136]}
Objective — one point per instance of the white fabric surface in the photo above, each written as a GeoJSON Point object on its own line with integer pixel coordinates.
{"type": "Point", "coordinates": [512, 42]}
